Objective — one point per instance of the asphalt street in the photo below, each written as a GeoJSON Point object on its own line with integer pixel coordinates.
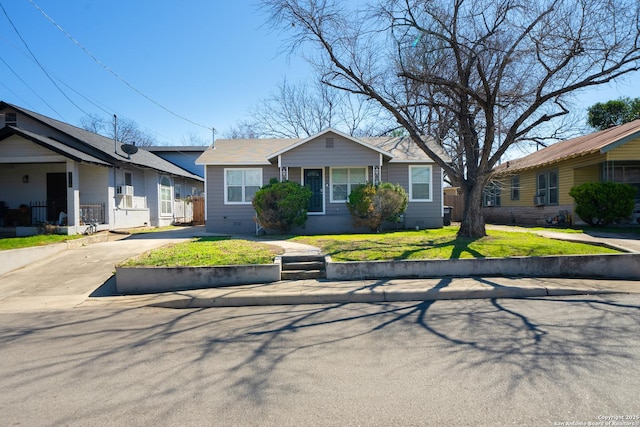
{"type": "Point", "coordinates": [539, 361]}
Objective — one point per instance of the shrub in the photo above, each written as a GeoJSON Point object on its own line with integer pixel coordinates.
{"type": "Point", "coordinates": [281, 205]}
{"type": "Point", "coordinates": [599, 204]}
{"type": "Point", "coordinates": [371, 205]}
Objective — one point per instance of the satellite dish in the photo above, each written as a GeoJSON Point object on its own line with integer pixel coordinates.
{"type": "Point", "coordinates": [129, 149]}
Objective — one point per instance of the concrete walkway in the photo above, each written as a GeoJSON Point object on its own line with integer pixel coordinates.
{"type": "Point", "coordinates": [83, 278]}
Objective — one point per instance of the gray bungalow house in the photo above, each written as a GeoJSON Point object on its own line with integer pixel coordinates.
{"type": "Point", "coordinates": [55, 173]}
{"type": "Point", "coordinates": [330, 163]}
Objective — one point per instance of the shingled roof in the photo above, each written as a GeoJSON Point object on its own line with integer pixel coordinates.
{"type": "Point", "coordinates": [95, 148]}
{"type": "Point", "coordinates": [258, 152]}
{"type": "Point", "coordinates": [598, 142]}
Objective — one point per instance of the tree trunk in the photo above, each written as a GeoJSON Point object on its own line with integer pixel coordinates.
{"type": "Point", "coordinates": [472, 224]}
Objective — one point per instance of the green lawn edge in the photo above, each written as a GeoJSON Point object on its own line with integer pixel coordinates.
{"type": "Point", "coordinates": [401, 245]}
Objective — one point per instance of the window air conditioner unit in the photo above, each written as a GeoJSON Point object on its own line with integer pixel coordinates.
{"type": "Point", "coordinates": [124, 190]}
{"type": "Point", "coordinates": [538, 200]}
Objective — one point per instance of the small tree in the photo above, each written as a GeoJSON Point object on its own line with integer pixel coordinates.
{"type": "Point", "coordinates": [281, 205]}
{"type": "Point", "coordinates": [602, 116]}
{"type": "Point", "coordinates": [601, 203]}
{"type": "Point", "coordinates": [371, 205]}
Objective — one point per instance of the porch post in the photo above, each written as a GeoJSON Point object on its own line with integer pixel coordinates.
{"type": "Point", "coordinates": [376, 174]}
{"type": "Point", "coordinates": [73, 194]}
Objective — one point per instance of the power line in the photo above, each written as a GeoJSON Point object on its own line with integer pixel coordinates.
{"type": "Point", "coordinates": [30, 88]}
{"type": "Point", "coordinates": [36, 59]}
{"type": "Point", "coordinates": [103, 65]}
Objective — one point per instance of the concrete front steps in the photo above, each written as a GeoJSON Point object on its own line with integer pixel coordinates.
{"type": "Point", "coordinates": [300, 267]}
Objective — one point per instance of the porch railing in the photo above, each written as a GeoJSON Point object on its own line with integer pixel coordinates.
{"type": "Point", "coordinates": [92, 213]}
{"type": "Point", "coordinates": [45, 212]}
{"type": "Point", "coordinates": [39, 212]}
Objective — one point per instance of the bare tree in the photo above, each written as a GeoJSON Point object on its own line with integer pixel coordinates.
{"type": "Point", "coordinates": [304, 109]}
{"type": "Point", "coordinates": [128, 131]}
{"type": "Point", "coordinates": [478, 75]}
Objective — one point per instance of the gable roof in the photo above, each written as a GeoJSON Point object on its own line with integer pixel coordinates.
{"type": "Point", "coordinates": [260, 152]}
{"type": "Point", "coordinates": [51, 144]}
{"type": "Point", "coordinates": [96, 146]}
{"type": "Point", "coordinates": [598, 142]}
{"type": "Point", "coordinates": [324, 132]}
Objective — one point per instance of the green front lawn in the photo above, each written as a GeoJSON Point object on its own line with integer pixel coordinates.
{"type": "Point", "coordinates": [208, 251]}
{"type": "Point", "coordinates": [443, 244]}
{"type": "Point", "coordinates": [31, 241]}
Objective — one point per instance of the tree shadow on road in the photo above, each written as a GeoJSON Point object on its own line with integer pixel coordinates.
{"type": "Point", "coordinates": [245, 350]}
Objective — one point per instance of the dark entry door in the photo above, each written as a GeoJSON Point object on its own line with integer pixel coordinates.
{"type": "Point", "coordinates": [313, 181]}
{"type": "Point", "coordinates": [56, 195]}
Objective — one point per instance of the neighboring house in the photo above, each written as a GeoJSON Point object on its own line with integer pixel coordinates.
{"type": "Point", "coordinates": [330, 163]}
{"type": "Point", "coordinates": [535, 189]}
{"type": "Point", "coordinates": [55, 173]}
{"type": "Point", "coordinates": [184, 156]}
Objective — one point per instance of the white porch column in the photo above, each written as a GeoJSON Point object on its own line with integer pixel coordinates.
{"type": "Point", "coordinates": [284, 174]}
{"type": "Point", "coordinates": [376, 174]}
{"type": "Point", "coordinates": [73, 194]}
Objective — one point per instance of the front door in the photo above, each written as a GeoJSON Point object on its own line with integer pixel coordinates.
{"type": "Point", "coordinates": [56, 195]}
{"type": "Point", "coordinates": [314, 182]}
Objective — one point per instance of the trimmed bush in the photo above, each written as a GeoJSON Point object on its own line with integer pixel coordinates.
{"type": "Point", "coordinates": [371, 205]}
{"type": "Point", "coordinates": [601, 203]}
{"type": "Point", "coordinates": [281, 205]}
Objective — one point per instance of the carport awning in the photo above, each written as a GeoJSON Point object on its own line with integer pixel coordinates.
{"type": "Point", "coordinates": [52, 144]}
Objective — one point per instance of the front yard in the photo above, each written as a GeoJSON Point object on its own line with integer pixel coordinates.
{"type": "Point", "coordinates": [443, 244]}
{"type": "Point", "coordinates": [415, 245]}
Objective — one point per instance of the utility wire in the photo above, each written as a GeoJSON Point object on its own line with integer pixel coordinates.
{"type": "Point", "coordinates": [103, 65]}
{"type": "Point", "coordinates": [30, 88]}
{"type": "Point", "coordinates": [38, 62]}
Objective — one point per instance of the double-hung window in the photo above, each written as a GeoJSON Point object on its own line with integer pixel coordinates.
{"type": "Point", "coordinates": [515, 187]}
{"type": "Point", "coordinates": [420, 186]}
{"type": "Point", "coordinates": [166, 201]}
{"type": "Point", "coordinates": [547, 187]}
{"type": "Point", "coordinates": [343, 180]}
{"type": "Point", "coordinates": [240, 185]}
{"type": "Point", "coordinates": [491, 196]}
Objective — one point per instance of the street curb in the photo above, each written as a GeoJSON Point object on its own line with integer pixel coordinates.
{"type": "Point", "coordinates": [347, 297]}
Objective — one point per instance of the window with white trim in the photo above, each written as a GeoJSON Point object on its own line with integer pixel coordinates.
{"type": "Point", "coordinates": [343, 180]}
{"type": "Point", "coordinates": [127, 197]}
{"type": "Point", "coordinates": [547, 187]}
{"type": "Point", "coordinates": [166, 199]}
{"type": "Point", "coordinates": [515, 187]}
{"type": "Point", "coordinates": [240, 185]}
{"type": "Point", "coordinates": [420, 184]}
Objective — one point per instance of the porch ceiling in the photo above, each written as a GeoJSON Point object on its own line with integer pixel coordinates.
{"type": "Point", "coordinates": [51, 144]}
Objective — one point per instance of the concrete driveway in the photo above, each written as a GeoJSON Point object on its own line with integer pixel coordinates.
{"type": "Point", "coordinates": [67, 278]}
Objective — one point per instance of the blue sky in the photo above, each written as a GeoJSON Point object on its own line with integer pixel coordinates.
{"type": "Point", "coordinates": [205, 61]}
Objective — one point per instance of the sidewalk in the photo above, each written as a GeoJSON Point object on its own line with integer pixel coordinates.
{"type": "Point", "coordinates": [385, 290]}
{"type": "Point", "coordinates": [83, 278]}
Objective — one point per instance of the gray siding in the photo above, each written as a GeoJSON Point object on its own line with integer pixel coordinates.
{"type": "Point", "coordinates": [230, 219]}
{"type": "Point", "coordinates": [343, 153]}
{"type": "Point", "coordinates": [419, 214]}
{"type": "Point", "coordinates": [238, 219]}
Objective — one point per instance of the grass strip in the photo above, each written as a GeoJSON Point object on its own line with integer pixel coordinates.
{"type": "Point", "coordinates": [443, 244]}
{"type": "Point", "coordinates": [31, 241]}
{"type": "Point", "coordinates": [207, 251]}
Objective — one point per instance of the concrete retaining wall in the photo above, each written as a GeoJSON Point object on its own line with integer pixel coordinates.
{"type": "Point", "coordinates": [17, 258]}
{"type": "Point", "coordinates": [134, 280]}
{"type": "Point", "coordinates": [620, 266]}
